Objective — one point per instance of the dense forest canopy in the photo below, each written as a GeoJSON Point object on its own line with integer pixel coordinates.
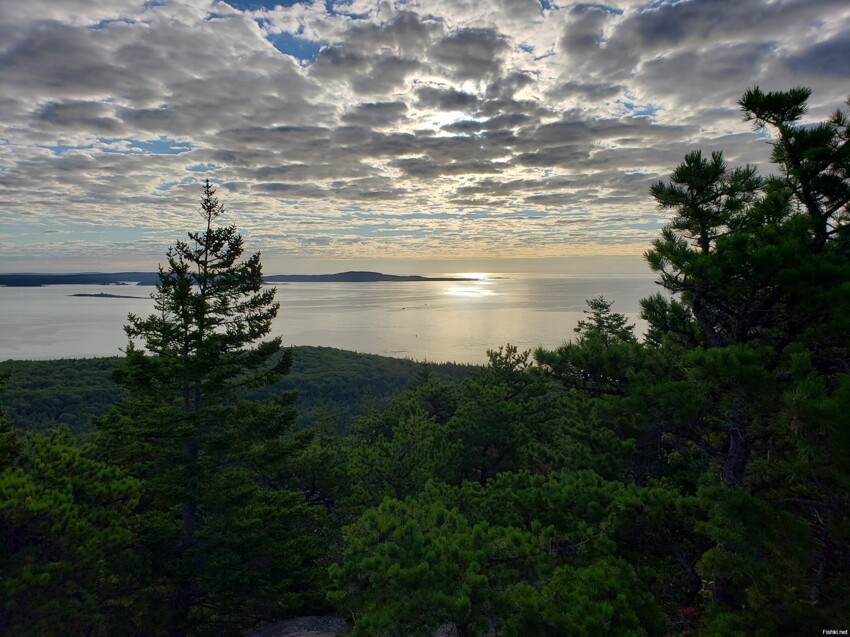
{"type": "Point", "coordinates": [693, 482]}
{"type": "Point", "coordinates": [330, 383]}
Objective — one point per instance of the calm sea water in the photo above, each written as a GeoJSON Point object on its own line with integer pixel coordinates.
{"type": "Point", "coordinates": [436, 321]}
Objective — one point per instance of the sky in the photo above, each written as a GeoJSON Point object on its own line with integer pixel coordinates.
{"type": "Point", "coordinates": [346, 132]}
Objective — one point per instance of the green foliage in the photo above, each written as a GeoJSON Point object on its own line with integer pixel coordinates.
{"type": "Point", "coordinates": [762, 555]}
{"type": "Point", "coordinates": [609, 326]}
{"type": "Point", "coordinates": [41, 395]}
{"type": "Point", "coordinates": [411, 566]}
{"type": "Point", "coordinates": [601, 358]}
{"type": "Point", "coordinates": [507, 555]}
{"type": "Point", "coordinates": [766, 281]}
{"type": "Point", "coordinates": [210, 307]}
{"type": "Point", "coordinates": [328, 381]}
{"type": "Point", "coordinates": [706, 197]}
{"type": "Point", "coordinates": [815, 159]}
{"type": "Point", "coordinates": [502, 411]}
{"type": "Point", "coordinates": [604, 598]}
{"type": "Point", "coordinates": [670, 321]}
{"type": "Point", "coordinates": [66, 564]}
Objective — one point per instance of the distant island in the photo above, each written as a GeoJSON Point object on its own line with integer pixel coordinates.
{"type": "Point", "coordinates": [30, 280]}
{"type": "Point", "coordinates": [151, 278]}
{"type": "Point", "coordinates": [104, 295]}
{"type": "Point", "coordinates": [354, 277]}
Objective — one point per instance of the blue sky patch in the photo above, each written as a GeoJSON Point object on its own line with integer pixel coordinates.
{"type": "Point", "coordinates": [203, 168]}
{"type": "Point", "coordinates": [168, 185]}
{"type": "Point", "coordinates": [657, 4]}
{"type": "Point", "coordinates": [109, 21]}
{"type": "Point", "coordinates": [639, 110]}
{"type": "Point", "coordinates": [161, 146]}
{"type": "Point", "coordinates": [601, 7]}
{"type": "Point", "coordinates": [256, 5]}
{"type": "Point", "coordinates": [299, 48]}
{"type": "Point", "coordinates": [61, 149]}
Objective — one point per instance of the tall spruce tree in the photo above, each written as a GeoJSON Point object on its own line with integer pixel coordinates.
{"type": "Point", "coordinates": [225, 542]}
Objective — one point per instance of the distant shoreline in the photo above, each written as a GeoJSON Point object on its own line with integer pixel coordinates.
{"type": "Point", "coordinates": [151, 278]}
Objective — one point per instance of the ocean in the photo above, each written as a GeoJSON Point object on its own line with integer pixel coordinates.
{"type": "Point", "coordinates": [422, 320]}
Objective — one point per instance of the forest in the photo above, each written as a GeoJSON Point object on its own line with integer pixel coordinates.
{"type": "Point", "coordinates": [693, 482]}
{"type": "Point", "coordinates": [329, 383]}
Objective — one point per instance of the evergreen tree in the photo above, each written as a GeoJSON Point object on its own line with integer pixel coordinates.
{"type": "Point", "coordinates": [226, 542]}
{"type": "Point", "coordinates": [815, 159]}
{"type": "Point", "coordinates": [602, 356]}
{"type": "Point", "coordinates": [764, 270]}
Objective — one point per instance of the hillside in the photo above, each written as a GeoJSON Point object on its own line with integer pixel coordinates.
{"type": "Point", "coordinates": [43, 394]}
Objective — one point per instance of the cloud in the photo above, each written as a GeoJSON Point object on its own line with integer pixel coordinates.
{"type": "Point", "coordinates": [376, 114]}
{"type": "Point", "coordinates": [453, 127]}
{"type": "Point", "coordinates": [827, 58]}
{"type": "Point", "coordinates": [471, 53]}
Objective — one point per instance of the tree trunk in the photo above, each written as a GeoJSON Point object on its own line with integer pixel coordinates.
{"type": "Point", "coordinates": [186, 560]}
{"type": "Point", "coordinates": [736, 456]}
{"type": "Point", "coordinates": [732, 476]}
{"type": "Point", "coordinates": [701, 315]}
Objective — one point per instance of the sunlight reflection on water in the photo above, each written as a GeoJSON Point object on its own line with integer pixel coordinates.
{"type": "Point", "coordinates": [470, 290]}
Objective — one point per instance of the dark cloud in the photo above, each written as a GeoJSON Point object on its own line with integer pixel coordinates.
{"type": "Point", "coordinates": [445, 99]}
{"type": "Point", "coordinates": [428, 169]}
{"type": "Point", "coordinates": [376, 114]}
{"type": "Point", "coordinates": [507, 121]}
{"type": "Point", "coordinates": [464, 127]}
{"type": "Point", "coordinates": [566, 155]}
{"type": "Point", "coordinates": [828, 58]}
{"type": "Point", "coordinates": [590, 91]}
{"type": "Point", "coordinates": [505, 87]}
{"type": "Point", "coordinates": [406, 33]}
{"type": "Point", "coordinates": [583, 34]}
{"type": "Point", "coordinates": [95, 117]}
{"type": "Point", "coordinates": [471, 54]}
{"type": "Point", "coordinates": [69, 62]}
{"type": "Point", "coordinates": [676, 24]}
{"type": "Point", "coordinates": [339, 61]}
{"type": "Point", "coordinates": [386, 73]}
{"type": "Point", "coordinates": [590, 40]}
{"type": "Point", "coordinates": [714, 75]}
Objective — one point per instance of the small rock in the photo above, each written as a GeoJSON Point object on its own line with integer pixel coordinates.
{"type": "Point", "coordinates": [315, 626]}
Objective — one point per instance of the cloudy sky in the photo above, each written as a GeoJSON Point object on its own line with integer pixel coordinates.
{"type": "Point", "coordinates": [362, 129]}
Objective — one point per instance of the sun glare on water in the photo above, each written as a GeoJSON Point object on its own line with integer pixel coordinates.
{"type": "Point", "coordinates": [479, 286]}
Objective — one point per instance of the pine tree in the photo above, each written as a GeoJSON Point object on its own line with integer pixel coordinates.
{"type": "Point", "coordinates": [601, 357]}
{"type": "Point", "coordinates": [764, 270]}
{"type": "Point", "coordinates": [815, 159]}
